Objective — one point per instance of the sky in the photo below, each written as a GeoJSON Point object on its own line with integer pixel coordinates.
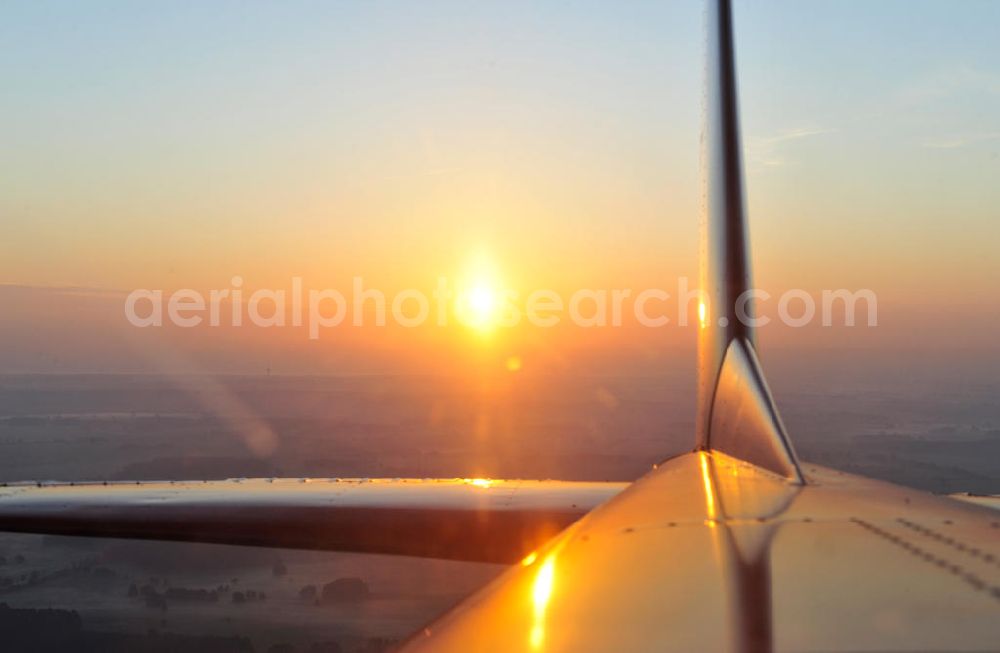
{"type": "Point", "coordinates": [175, 145]}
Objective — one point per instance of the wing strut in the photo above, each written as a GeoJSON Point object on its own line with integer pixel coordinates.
{"type": "Point", "coordinates": [736, 413]}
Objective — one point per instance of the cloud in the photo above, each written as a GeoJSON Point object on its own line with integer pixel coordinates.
{"type": "Point", "coordinates": [771, 151]}
{"type": "Point", "coordinates": [60, 290]}
{"type": "Point", "coordinates": [960, 140]}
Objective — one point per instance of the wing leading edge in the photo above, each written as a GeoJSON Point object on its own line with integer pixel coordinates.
{"type": "Point", "coordinates": [459, 519]}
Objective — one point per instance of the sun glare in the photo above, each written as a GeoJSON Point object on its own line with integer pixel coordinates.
{"type": "Point", "coordinates": [541, 593]}
{"type": "Point", "coordinates": [482, 304]}
{"type": "Point", "coordinates": [479, 301]}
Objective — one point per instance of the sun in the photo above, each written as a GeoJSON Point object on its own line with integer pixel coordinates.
{"type": "Point", "coordinates": [483, 303]}
{"type": "Point", "coordinates": [478, 306]}
{"type": "Point", "coordinates": [480, 298]}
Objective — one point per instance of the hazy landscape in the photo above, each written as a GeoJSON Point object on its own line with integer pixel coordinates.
{"type": "Point", "coordinates": [932, 431]}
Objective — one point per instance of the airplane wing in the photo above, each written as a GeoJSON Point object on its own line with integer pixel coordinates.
{"type": "Point", "coordinates": [735, 546]}
{"type": "Point", "coordinates": [481, 520]}
{"type": "Point", "coordinates": [711, 553]}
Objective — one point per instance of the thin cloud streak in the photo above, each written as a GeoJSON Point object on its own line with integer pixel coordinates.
{"type": "Point", "coordinates": [960, 141]}
{"type": "Point", "coordinates": [768, 151]}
